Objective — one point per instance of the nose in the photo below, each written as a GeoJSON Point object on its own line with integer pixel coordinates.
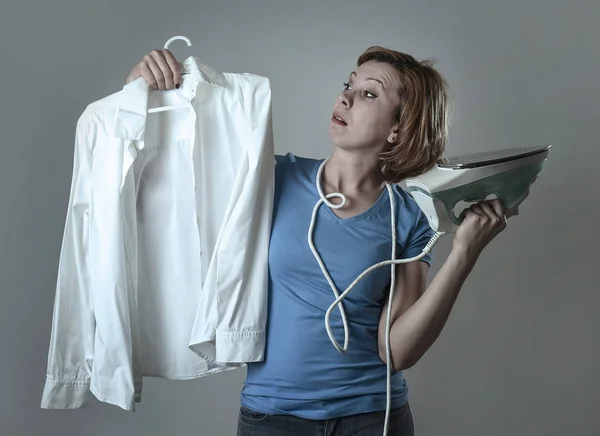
{"type": "Point", "coordinates": [344, 99]}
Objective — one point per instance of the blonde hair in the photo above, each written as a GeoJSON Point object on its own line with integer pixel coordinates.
{"type": "Point", "coordinates": [422, 114]}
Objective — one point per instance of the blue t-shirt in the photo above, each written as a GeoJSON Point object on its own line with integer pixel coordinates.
{"type": "Point", "coordinates": [303, 374]}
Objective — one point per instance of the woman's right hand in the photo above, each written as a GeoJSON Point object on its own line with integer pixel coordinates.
{"type": "Point", "coordinates": [159, 68]}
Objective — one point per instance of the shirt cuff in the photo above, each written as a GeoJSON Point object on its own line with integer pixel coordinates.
{"type": "Point", "coordinates": [64, 394]}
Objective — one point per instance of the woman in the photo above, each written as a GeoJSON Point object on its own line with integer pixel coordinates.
{"type": "Point", "coordinates": [388, 123]}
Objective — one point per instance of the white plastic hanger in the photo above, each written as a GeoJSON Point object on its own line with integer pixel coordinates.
{"type": "Point", "coordinates": [175, 38]}
{"type": "Point", "coordinates": [167, 45]}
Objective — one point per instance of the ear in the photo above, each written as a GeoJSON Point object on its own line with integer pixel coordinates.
{"type": "Point", "coordinates": [393, 136]}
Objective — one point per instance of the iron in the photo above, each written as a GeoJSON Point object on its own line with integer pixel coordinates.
{"type": "Point", "coordinates": [447, 190]}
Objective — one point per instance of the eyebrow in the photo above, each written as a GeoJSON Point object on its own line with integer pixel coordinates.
{"type": "Point", "coordinates": [369, 78]}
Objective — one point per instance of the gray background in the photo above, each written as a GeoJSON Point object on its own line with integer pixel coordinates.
{"type": "Point", "coordinates": [520, 353]}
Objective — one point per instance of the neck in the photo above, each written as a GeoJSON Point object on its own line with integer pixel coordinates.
{"type": "Point", "coordinates": [352, 172]}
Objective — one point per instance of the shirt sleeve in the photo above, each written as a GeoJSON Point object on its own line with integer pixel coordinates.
{"type": "Point", "coordinates": [243, 241]}
{"type": "Point", "coordinates": [279, 159]}
{"type": "Point", "coordinates": [419, 236]}
{"type": "Point", "coordinates": [71, 347]}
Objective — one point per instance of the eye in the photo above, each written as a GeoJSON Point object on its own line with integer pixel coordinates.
{"type": "Point", "coordinates": [366, 93]}
{"type": "Point", "coordinates": [369, 94]}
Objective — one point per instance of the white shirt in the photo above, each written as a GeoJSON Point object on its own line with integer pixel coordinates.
{"type": "Point", "coordinates": [163, 267]}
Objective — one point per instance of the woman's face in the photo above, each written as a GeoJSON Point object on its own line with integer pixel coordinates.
{"type": "Point", "coordinates": [364, 113]}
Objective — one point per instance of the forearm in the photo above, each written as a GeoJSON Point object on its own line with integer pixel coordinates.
{"type": "Point", "coordinates": [413, 333]}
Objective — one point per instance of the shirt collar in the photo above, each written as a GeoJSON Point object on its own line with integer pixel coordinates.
{"type": "Point", "coordinates": [130, 122]}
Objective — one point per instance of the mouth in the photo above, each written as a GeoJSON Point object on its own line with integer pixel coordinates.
{"type": "Point", "coordinates": [335, 118]}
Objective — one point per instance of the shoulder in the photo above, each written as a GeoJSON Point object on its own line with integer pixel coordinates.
{"type": "Point", "coordinates": [412, 223]}
{"type": "Point", "coordinates": [115, 99]}
{"type": "Point", "coordinates": [296, 173]}
{"type": "Point", "coordinates": [94, 118]}
{"type": "Point", "coordinates": [103, 110]}
{"type": "Point", "coordinates": [292, 159]}
{"type": "Point", "coordinates": [255, 90]}
{"type": "Point", "coordinates": [252, 79]}
{"type": "Point", "coordinates": [406, 205]}
{"type": "Point", "coordinates": [292, 163]}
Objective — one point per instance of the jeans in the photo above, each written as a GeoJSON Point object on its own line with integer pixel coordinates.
{"type": "Point", "coordinates": [251, 423]}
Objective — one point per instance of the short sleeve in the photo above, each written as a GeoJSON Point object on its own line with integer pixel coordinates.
{"type": "Point", "coordinates": [283, 161]}
{"type": "Point", "coordinates": [279, 158]}
{"type": "Point", "coordinates": [418, 238]}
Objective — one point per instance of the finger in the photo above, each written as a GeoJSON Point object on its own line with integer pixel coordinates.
{"type": "Point", "coordinates": [476, 208]}
{"type": "Point", "coordinates": [159, 58]}
{"type": "Point", "coordinates": [466, 212]}
{"type": "Point", "coordinates": [469, 211]}
{"type": "Point", "coordinates": [148, 75]}
{"type": "Point", "coordinates": [500, 211]}
{"type": "Point", "coordinates": [151, 63]}
{"type": "Point", "coordinates": [174, 66]}
{"type": "Point", "coordinates": [499, 207]}
{"type": "Point", "coordinates": [489, 211]}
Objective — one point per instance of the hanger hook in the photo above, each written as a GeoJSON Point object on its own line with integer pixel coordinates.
{"type": "Point", "coordinates": [175, 38]}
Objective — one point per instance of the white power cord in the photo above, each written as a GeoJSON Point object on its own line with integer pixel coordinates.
{"type": "Point", "coordinates": [339, 297]}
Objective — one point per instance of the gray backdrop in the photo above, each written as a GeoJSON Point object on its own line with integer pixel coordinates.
{"type": "Point", "coordinates": [520, 353]}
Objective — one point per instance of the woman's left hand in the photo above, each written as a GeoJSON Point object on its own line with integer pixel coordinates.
{"type": "Point", "coordinates": [482, 222]}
